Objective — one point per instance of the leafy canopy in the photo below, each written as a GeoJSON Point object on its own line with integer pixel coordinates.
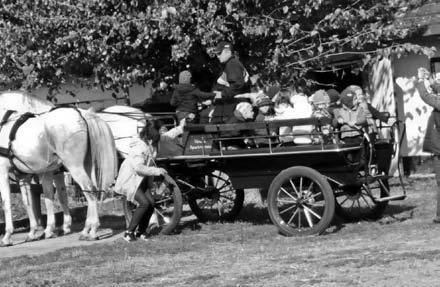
{"type": "Point", "coordinates": [119, 43]}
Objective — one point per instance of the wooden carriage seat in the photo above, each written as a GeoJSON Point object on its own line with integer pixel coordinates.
{"type": "Point", "coordinates": [200, 136]}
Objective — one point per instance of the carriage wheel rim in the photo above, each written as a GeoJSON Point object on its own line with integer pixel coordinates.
{"type": "Point", "coordinates": [301, 204]}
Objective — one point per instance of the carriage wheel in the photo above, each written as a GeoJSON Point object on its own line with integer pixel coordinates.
{"type": "Point", "coordinates": [167, 207]}
{"type": "Point", "coordinates": [355, 203]}
{"type": "Point", "coordinates": [301, 201]}
{"type": "Point", "coordinates": [218, 200]}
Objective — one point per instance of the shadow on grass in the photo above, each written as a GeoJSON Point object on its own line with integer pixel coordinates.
{"type": "Point", "coordinates": [258, 215]}
{"type": "Point", "coordinates": [78, 218]}
{"type": "Point", "coordinates": [393, 213]}
{"type": "Point", "coordinates": [255, 214]}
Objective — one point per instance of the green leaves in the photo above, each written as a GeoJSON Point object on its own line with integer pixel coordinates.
{"type": "Point", "coordinates": [126, 42]}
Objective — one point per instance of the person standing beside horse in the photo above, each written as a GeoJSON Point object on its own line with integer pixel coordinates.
{"type": "Point", "coordinates": [136, 173]}
{"type": "Point", "coordinates": [234, 80]}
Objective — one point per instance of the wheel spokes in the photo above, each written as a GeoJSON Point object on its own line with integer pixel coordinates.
{"type": "Point", "coordinates": [312, 212]}
{"type": "Point", "coordinates": [287, 209]}
{"type": "Point", "coordinates": [287, 193]}
{"type": "Point", "coordinates": [293, 216]}
{"type": "Point", "coordinates": [294, 188]}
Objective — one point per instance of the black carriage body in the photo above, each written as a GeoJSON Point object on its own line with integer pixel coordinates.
{"type": "Point", "coordinates": [307, 180]}
{"type": "Point", "coordinates": [256, 167]}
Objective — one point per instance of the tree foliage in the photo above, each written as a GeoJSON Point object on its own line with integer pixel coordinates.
{"type": "Point", "coordinates": [119, 43]}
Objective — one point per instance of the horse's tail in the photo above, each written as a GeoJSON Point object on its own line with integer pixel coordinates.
{"type": "Point", "coordinates": [102, 159]}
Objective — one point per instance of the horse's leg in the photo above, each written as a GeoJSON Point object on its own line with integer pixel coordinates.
{"type": "Point", "coordinates": [49, 197]}
{"type": "Point", "coordinates": [62, 197]}
{"type": "Point", "coordinates": [5, 190]}
{"type": "Point", "coordinates": [36, 204]}
{"type": "Point", "coordinates": [25, 188]}
{"type": "Point", "coordinates": [92, 214]}
{"type": "Point", "coordinates": [92, 221]}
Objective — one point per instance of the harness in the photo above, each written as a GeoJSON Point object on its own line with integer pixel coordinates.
{"type": "Point", "coordinates": [7, 152]}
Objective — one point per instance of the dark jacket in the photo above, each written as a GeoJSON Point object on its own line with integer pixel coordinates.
{"type": "Point", "coordinates": [432, 137]}
{"type": "Point", "coordinates": [235, 74]}
{"type": "Point", "coordinates": [186, 96]}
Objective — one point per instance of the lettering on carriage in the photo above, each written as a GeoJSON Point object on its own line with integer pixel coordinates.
{"type": "Point", "coordinates": [199, 147]}
{"type": "Point", "coordinates": [199, 144]}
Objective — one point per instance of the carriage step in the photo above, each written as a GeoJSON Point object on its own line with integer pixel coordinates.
{"type": "Point", "coordinates": [389, 198]}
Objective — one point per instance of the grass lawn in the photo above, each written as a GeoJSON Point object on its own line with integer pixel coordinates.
{"type": "Point", "coordinates": [401, 249]}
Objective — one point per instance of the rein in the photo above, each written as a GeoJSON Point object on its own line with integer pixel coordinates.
{"type": "Point", "coordinates": [131, 115]}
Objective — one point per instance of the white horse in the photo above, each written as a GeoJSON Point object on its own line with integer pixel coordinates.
{"type": "Point", "coordinates": [125, 123]}
{"type": "Point", "coordinates": [22, 103]}
{"type": "Point", "coordinates": [79, 140]}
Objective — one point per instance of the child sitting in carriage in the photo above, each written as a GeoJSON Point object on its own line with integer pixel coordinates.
{"type": "Point", "coordinates": [320, 101]}
{"type": "Point", "coordinates": [186, 97]}
{"type": "Point", "coordinates": [352, 114]}
{"type": "Point", "coordinates": [244, 112]}
{"type": "Point", "coordinates": [289, 105]}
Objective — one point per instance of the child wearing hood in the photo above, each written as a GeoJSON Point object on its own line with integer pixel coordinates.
{"type": "Point", "coordinates": [353, 112]}
{"type": "Point", "coordinates": [186, 96]}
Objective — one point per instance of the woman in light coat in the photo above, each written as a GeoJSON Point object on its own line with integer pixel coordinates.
{"type": "Point", "coordinates": [136, 173]}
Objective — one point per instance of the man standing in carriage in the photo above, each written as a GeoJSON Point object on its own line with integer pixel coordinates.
{"type": "Point", "coordinates": [233, 80]}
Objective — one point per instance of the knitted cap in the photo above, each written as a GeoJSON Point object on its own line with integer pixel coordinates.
{"type": "Point", "coordinates": [334, 95]}
{"type": "Point", "coordinates": [348, 95]}
{"type": "Point", "coordinates": [320, 97]}
{"type": "Point", "coordinates": [185, 77]}
{"type": "Point", "coordinates": [262, 100]}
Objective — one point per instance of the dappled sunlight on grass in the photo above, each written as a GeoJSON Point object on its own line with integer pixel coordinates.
{"type": "Point", "coordinates": [250, 252]}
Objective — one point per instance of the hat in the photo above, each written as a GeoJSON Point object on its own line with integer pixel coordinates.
{"type": "Point", "coordinates": [334, 95]}
{"type": "Point", "coordinates": [348, 95]}
{"type": "Point", "coordinates": [185, 77]}
{"type": "Point", "coordinates": [320, 97]}
{"type": "Point", "coordinates": [221, 46]}
{"type": "Point", "coordinates": [262, 100]}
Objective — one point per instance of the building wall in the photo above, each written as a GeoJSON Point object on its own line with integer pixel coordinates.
{"type": "Point", "coordinates": [98, 99]}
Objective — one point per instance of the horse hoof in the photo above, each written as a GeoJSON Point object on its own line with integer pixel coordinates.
{"type": "Point", "coordinates": [2, 244]}
{"type": "Point", "coordinates": [83, 237]}
{"type": "Point", "coordinates": [31, 239]}
{"type": "Point", "coordinates": [51, 235]}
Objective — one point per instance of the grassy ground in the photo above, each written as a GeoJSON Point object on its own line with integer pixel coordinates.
{"type": "Point", "coordinates": [401, 249]}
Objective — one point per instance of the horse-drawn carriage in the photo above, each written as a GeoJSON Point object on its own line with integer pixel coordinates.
{"type": "Point", "coordinates": [307, 182]}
